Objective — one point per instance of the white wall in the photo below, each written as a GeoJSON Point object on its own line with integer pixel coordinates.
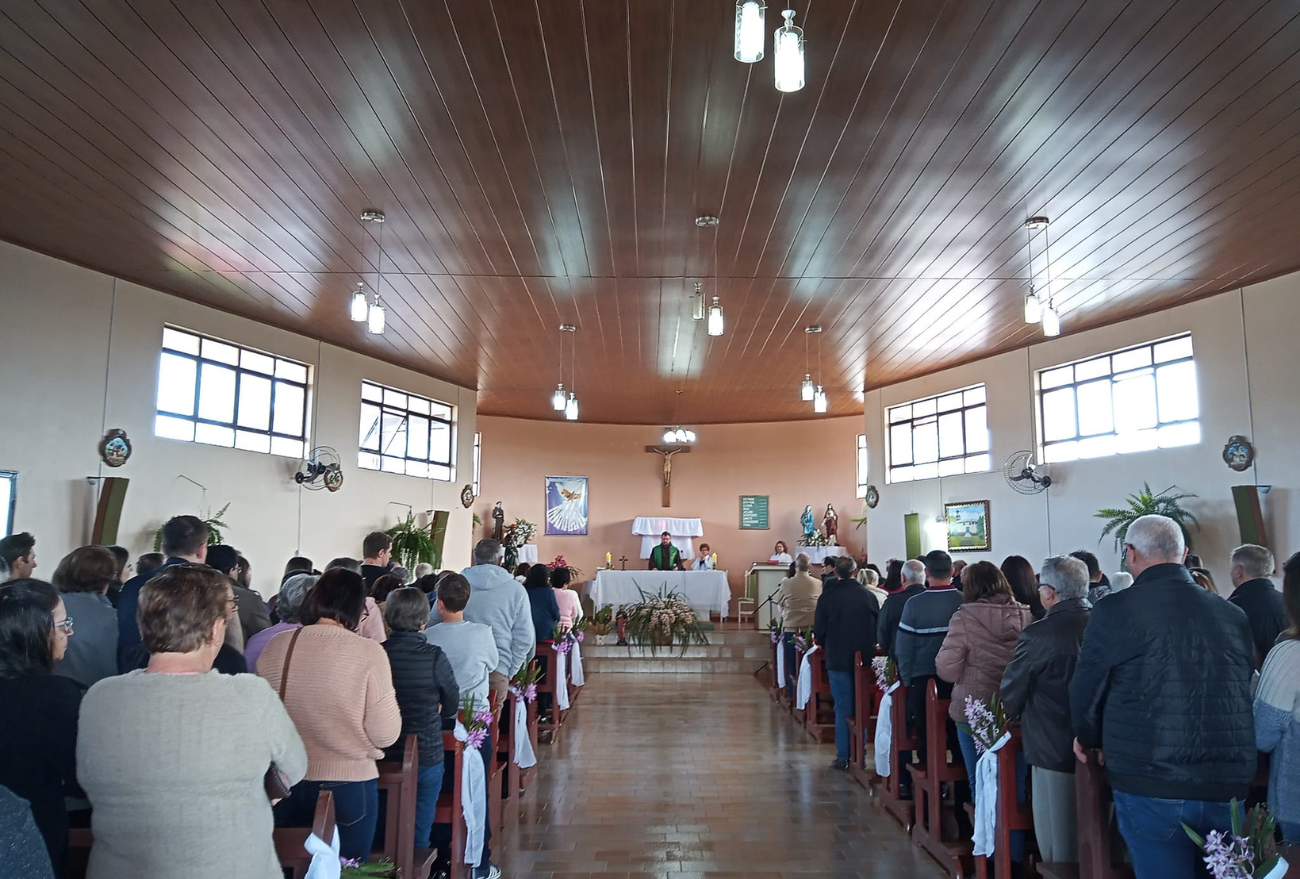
{"type": "Point", "coordinates": [1062, 519]}
{"type": "Point", "coordinates": [79, 355]}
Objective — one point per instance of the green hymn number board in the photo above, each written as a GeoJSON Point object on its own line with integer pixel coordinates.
{"type": "Point", "coordinates": [753, 512]}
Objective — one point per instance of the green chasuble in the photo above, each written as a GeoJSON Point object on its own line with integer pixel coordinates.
{"type": "Point", "coordinates": [658, 562]}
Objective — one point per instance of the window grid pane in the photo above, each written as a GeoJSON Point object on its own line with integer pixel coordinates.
{"type": "Point", "coordinates": [1140, 398]}
{"type": "Point", "coordinates": [219, 393]}
{"type": "Point", "coordinates": [407, 434]}
{"type": "Point", "coordinates": [862, 463]}
{"type": "Point", "coordinates": [944, 435]}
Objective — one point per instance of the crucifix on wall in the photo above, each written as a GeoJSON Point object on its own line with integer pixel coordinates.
{"type": "Point", "coordinates": [668, 468]}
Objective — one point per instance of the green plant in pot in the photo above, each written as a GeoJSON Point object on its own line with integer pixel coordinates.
{"type": "Point", "coordinates": [1147, 503]}
{"type": "Point", "coordinates": [216, 526]}
{"type": "Point", "coordinates": [413, 544]}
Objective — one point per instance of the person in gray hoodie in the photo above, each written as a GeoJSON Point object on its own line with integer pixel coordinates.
{"type": "Point", "coordinates": [498, 601]}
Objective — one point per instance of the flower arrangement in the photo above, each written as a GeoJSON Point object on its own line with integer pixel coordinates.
{"type": "Point", "coordinates": [986, 721]}
{"type": "Point", "coordinates": [524, 683]}
{"type": "Point", "coordinates": [578, 631]}
{"type": "Point", "coordinates": [1248, 851]}
{"type": "Point", "coordinates": [802, 640]}
{"type": "Point", "coordinates": [663, 620]}
{"type": "Point", "coordinates": [477, 721]}
{"type": "Point", "coordinates": [886, 672]}
{"type": "Point", "coordinates": [602, 620]}
{"type": "Point", "coordinates": [818, 538]}
{"type": "Point", "coordinates": [774, 631]}
{"type": "Point", "coordinates": [575, 573]}
{"type": "Point", "coordinates": [354, 869]}
{"type": "Point", "coordinates": [562, 640]}
{"type": "Point", "coordinates": [525, 531]}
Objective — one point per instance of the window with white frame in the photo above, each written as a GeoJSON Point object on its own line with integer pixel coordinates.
{"type": "Point", "coordinates": [939, 436]}
{"type": "Point", "coordinates": [405, 433]}
{"type": "Point", "coordinates": [862, 465]}
{"type": "Point", "coordinates": [8, 500]}
{"type": "Point", "coordinates": [1132, 400]}
{"type": "Point", "coordinates": [214, 392]}
{"type": "Point", "coordinates": [478, 463]}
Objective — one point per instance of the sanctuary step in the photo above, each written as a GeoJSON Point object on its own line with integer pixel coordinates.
{"type": "Point", "coordinates": [728, 652]}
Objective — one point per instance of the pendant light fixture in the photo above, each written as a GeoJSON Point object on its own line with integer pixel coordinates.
{"type": "Point", "coordinates": [1033, 304]}
{"type": "Point", "coordinates": [787, 48]}
{"type": "Point", "coordinates": [678, 434]}
{"type": "Point", "coordinates": [359, 304]}
{"type": "Point", "coordinates": [751, 31]}
{"type": "Point", "coordinates": [806, 391]}
{"type": "Point", "coordinates": [375, 315]}
{"type": "Point", "coordinates": [715, 324]}
{"type": "Point", "coordinates": [558, 401]}
{"type": "Point", "coordinates": [1041, 308]}
{"type": "Point", "coordinates": [715, 318]}
{"type": "Point", "coordinates": [819, 400]}
{"type": "Point", "coordinates": [697, 302]}
{"type": "Point", "coordinates": [820, 403]}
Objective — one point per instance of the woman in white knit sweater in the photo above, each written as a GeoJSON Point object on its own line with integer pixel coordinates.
{"type": "Point", "coordinates": [173, 756]}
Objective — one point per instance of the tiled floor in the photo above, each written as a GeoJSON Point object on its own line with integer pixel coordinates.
{"type": "Point", "coordinates": [691, 776]}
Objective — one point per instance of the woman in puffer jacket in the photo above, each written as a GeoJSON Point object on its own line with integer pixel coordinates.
{"type": "Point", "coordinates": [980, 642]}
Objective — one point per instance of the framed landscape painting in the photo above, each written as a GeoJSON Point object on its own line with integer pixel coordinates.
{"type": "Point", "coordinates": [969, 529]}
{"type": "Point", "coordinates": [566, 506]}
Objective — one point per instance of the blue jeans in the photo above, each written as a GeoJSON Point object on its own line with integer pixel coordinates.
{"type": "Point", "coordinates": [842, 692]}
{"type": "Point", "coordinates": [426, 801]}
{"type": "Point", "coordinates": [1290, 832]}
{"type": "Point", "coordinates": [1157, 843]}
{"type": "Point", "coordinates": [356, 811]}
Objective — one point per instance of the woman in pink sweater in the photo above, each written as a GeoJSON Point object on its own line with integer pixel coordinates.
{"type": "Point", "coordinates": [566, 598]}
{"type": "Point", "coordinates": [338, 688]}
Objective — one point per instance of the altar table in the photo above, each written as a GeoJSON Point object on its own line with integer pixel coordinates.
{"type": "Point", "coordinates": [706, 591]}
{"type": "Point", "coordinates": [819, 554]}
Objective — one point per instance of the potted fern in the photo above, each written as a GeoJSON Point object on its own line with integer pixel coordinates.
{"type": "Point", "coordinates": [215, 522]}
{"type": "Point", "coordinates": [1147, 503]}
{"type": "Point", "coordinates": [413, 544]}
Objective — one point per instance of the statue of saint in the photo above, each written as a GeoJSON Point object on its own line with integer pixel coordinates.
{"type": "Point", "coordinates": [806, 520]}
{"type": "Point", "coordinates": [498, 521]}
{"type": "Point", "coordinates": [831, 524]}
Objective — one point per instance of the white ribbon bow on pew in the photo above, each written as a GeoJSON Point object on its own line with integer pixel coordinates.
{"type": "Point", "coordinates": [885, 730]}
{"type": "Point", "coordinates": [986, 798]}
{"type": "Point", "coordinates": [524, 756]}
{"type": "Point", "coordinates": [561, 682]}
{"type": "Point", "coordinates": [780, 663]}
{"type": "Point", "coordinates": [804, 691]}
{"type": "Point", "coordinates": [473, 797]}
{"type": "Point", "coordinates": [325, 862]}
{"type": "Point", "coordinates": [579, 679]}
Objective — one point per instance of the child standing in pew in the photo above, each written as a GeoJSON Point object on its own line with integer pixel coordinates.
{"type": "Point", "coordinates": [472, 651]}
{"type": "Point", "coordinates": [426, 691]}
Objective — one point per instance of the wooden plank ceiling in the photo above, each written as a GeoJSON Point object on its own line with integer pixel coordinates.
{"type": "Point", "coordinates": [542, 161]}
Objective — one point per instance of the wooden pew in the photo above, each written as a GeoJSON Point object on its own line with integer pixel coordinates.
{"type": "Point", "coordinates": [398, 783]}
{"type": "Point", "coordinates": [890, 789]}
{"type": "Point", "coordinates": [512, 783]}
{"type": "Point", "coordinates": [1011, 813]}
{"type": "Point", "coordinates": [290, 841]}
{"type": "Point", "coordinates": [928, 831]}
{"type": "Point", "coordinates": [774, 683]}
{"type": "Point", "coordinates": [862, 724]}
{"type": "Point", "coordinates": [819, 718]}
{"type": "Point", "coordinates": [1093, 802]}
{"type": "Point", "coordinates": [552, 718]}
{"type": "Point", "coordinates": [80, 841]}
{"type": "Point", "coordinates": [449, 811]}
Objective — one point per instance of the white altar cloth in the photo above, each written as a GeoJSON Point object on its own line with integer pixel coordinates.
{"type": "Point", "coordinates": [705, 591]}
{"type": "Point", "coordinates": [651, 528]}
{"type": "Point", "coordinates": [528, 554]}
{"type": "Point", "coordinates": [819, 554]}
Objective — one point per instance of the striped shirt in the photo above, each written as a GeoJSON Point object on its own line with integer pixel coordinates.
{"type": "Point", "coordinates": [921, 631]}
{"type": "Point", "coordinates": [1277, 728]}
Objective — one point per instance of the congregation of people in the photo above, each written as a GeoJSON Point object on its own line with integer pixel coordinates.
{"type": "Point", "coordinates": [1176, 690]}
{"type": "Point", "coordinates": [153, 704]}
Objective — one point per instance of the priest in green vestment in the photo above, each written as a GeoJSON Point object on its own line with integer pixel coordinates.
{"type": "Point", "coordinates": [665, 556]}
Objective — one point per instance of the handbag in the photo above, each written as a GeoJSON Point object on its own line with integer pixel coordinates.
{"type": "Point", "coordinates": [277, 786]}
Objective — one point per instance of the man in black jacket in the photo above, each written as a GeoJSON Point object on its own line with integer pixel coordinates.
{"type": "Point", "coordinates": [844, 625]}
{"type": "Point", "coordinates": [1163, 686]}
{"type": "Point", "coordinates": [1036, 688]}
{"type": "Point", "coordinates": [1255, 594]}
{"type": "Point", "coordinates": [913, 577]}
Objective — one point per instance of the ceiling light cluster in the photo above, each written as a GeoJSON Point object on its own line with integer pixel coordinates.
{"type": "Point", "coordinates": [713, 315]}
{"type": "Point", "coordinates": [678, 434]}
{"type": "Point", "coordinates": [809, 392]}
{"type": "Point", "coordinates": [559, 401]}
{"type": "Point", "coordinates": [787, 43]}
{"type": "Point", "coordinates": [1041, 308]}
{"type": "Point", "coordinates": [372, 313]}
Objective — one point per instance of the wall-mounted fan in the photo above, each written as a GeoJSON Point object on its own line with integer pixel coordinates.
{"type": "Point", "coordinates": [320, 469]}
{"type": "Point", "coordinates": [1025, 474]}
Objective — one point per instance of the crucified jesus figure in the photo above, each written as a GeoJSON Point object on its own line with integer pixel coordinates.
{"type": "Point", "coordinates": [668, 468]}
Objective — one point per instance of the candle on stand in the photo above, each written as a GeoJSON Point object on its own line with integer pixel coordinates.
{"type": "Point", "coordinates": [609, 560]}
{"type": "Point", "coordinates": [715, 561]}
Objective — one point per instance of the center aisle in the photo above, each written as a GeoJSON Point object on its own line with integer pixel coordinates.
{"type": "Point", "coordinates": [692, 776]}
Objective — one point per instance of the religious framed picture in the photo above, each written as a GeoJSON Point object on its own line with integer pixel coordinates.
{"type": "Point", "coordinates": [969, 528]}
{"type": "Point", "coordinates": [566, 506]}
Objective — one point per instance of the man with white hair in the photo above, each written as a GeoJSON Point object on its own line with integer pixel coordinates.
{"type": "Point", "coordinates": [1036, 688]}
{"type": "Point", "coordinates": [1254, 593]}
{"type": "Point", "coordinates": [913, 576]}
{"type": "Point", "coordinates": [1163, 687]}
{"type": "Point", "coordinates": [797, 598]}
